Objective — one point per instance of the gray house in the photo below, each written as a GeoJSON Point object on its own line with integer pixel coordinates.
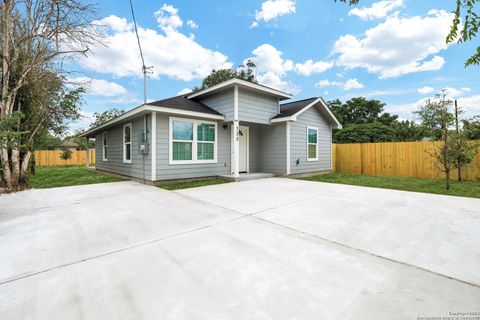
{"type": "Point", "coordinates": [231, 128]}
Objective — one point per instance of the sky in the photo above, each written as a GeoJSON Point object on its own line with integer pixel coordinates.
{"type": "Point", "coordinates": [390, 50]}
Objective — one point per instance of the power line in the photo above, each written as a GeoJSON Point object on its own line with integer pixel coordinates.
{"type": "Point", "coordinates": [145, 69]}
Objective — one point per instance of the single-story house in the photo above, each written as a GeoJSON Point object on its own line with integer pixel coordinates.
{"type": "Point", "coordinates": [231, 128]}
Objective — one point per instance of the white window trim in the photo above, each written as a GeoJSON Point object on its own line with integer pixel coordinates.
{"type": "Point", "coordinates": [125, 143]}
{"type": "Point", "coordinates": [104, 144]}
{"type": "Point", "coordinates": [194, 142]}
{"type": "Point", "coordinates": [316, 149]}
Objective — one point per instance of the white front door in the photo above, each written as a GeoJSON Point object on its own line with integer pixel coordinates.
{"type": "Point", "coordinates": [243, 154]}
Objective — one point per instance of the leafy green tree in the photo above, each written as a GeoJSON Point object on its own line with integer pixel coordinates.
{"type": "Point", "coordinates": [66, 154]}
{"type": "Point", "coordinates": [408, 131]}
{"type": "Point", "coordinates": [464, 28]}
{"type": "Point", "coordinates": [359, 110]}
{"type": "Point", "coordinates": [102, 117]}
{"type": "Point", "coordinates": [35, 36]}
{"type": "Point", "coordinates": [364, 133]}
{"type": "Point", "coordinates": [472, 128]}
{"type": "Point", "coordinates": [244, 72]}
{"type": "Point", "coordinates": [455, 150]}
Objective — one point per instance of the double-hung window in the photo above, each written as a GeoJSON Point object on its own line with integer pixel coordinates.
{"type": "Point", "coordinates": [192, 141]}
{"type": "Point", "coordinates": [312, 144]}
{"type": "Point", "coordinates": [104, 146]}
{"type": "Point", "coordinates": [127, 143]}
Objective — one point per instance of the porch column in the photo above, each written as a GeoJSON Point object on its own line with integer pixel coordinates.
{"type": "Point", "coordinates": [235, 135]}
{"type": "Point", "coordinates": [235, 148]}
{"type": "Point", "coordinates": [87, 156]}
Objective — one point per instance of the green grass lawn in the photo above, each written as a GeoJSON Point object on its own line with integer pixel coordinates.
{"type": "Point", "coordinates": [192, 184]}
{"type": "Point", "coordinates": [464, 188]}
{"type": "Point", "coordinates": [62, 176]}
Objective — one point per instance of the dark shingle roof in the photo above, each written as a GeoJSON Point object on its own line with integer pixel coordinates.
{"type": "Point", "coordinates": [291, 108]}
{"type": "Point", "coordinates": [182, 103]}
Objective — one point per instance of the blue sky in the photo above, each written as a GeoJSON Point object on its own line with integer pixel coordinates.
{"type": "Point", "coordinates": [390, 50]}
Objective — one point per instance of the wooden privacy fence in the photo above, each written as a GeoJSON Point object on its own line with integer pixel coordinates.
{"type": "Point", "coordinates": [52, 157]}
{"type": "Point", "coordinates": [408, 159]}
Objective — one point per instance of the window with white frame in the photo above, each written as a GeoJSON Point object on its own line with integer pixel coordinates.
{"type": "Point", "coordinates": [192, 141]}
{"type": "Point", "coordinates": [104, 146]}
{"type": "Point", "coordinates": [312, 143]}
{"type": "Point", "coordinates": [127, 143]}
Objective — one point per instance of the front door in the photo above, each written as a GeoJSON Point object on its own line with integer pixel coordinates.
{"type": "Point", "coordinates": [243, 156]}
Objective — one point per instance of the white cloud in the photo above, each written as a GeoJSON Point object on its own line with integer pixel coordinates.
{"type": "Point", "coordinates": [272, 68]}
{"type": "Point", "coordinates": [425, 90]}
{"type": "Point", "coordinates": [309, 67]}
{"type": "Point", "coordinates": [347, 85]}
{"type": "Point", "coordinates": [272, 9]}
{"type": "Point", "coordinates": [397, 46]}
{"type": "Point", "coordinates": [192, 24]}
{"type": "Point", "coordinates": [454, 93]}
{"type": "Point", "coordinates": [99, 87]}
{"type": "Point", "coordinates": [115, 23]}
{"type": "Point", "coordinates": [470, 105]}
{"type": "Point", "coordinates": [184, 91]}
{"type": "Point", "coordinates": [378, 9]}
{"type": "Point", "coordinates": [449, 91]}
{"type": "Point", "coordinates": [168, 18]}
{"type": "Point", "coordinates": [172, 53]}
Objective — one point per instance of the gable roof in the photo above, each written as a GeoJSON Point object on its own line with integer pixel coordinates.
{"type": "Point", "coordinates": [178, 105]}
{"type": "Point", "coordinates": [241, 83]}
{"type": "Point", "coordinates": [182, 103]}
{"type": "Point", "coordinates": [290, 111]}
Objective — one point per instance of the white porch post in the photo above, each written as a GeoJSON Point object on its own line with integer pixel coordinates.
{"type": "Point", "coordinates": [235, 136]}
{"type": "Point", "coordinates": [153, 146]}
{"type": "Point", "coordinates": [287, 129]}
{"type": "Point", "coordinates": [87, 155]}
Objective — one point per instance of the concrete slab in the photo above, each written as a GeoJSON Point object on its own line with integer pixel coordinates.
{"type": "Point", "coordinates": [438, 233]}
{"type": "Point", "coordinates": [244, 269]}
{"type": "Point", "coordinates": [65, 225]}
{"type": "Point", "coordinates": [264, 249]}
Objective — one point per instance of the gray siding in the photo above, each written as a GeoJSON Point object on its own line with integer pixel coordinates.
{"type": "Point", "coordinates": [298, 143]}
{"type": "Point", "coordinates": [166, 171]}
{"type": "Point", "coordinates": [115, 151]}
{"type": "Point", "coordinates": [256, 108]}
{"type": "Point", "coordinates": [267, 148]}
{"type": "Point", "coordinates": [221, 102]}
{"type": "Point", "coordinates": [273, 152]}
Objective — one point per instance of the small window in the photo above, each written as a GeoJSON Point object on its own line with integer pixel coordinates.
{"type": "Point", "coordinates": [192, 141]}
{"type": "Point", "coordinates": [104, 146]}
{"type": "Point", "coordinates": [127, 143]}
{"type": "Point", "coordinates": [312, 144]}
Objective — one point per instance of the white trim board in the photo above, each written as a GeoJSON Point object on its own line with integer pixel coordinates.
{"type": "Point", "coordinates": [153, 146]}
{"type": "Point", "coordinates": [150, 108]}
{"type": "Point", "coordinates": [242, 83]}
{"type": "Point", "coordinates": [295, 116]}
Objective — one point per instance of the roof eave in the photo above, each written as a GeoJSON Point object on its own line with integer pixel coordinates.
{"type": "Point", "coordinates": [150, 108]}
{"type": "Point", "coordinates": [282, 95]}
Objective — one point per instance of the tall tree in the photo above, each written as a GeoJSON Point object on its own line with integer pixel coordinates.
{"type": "Point", "coordinates": [102, 117]}
{"type": "Point", "coordinates": [244, 72]}
{"type": "Point", "coordinates": [464, 27]}
{"type": "Point", "coordinates": [359, 110]}
{"type": "Point", "coordinates": [35, 34]}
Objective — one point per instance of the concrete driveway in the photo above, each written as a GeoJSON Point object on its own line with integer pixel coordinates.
{"type": "Point", "coordinates": [265, 249]}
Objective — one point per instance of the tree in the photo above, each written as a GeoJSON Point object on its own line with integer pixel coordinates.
{"type": "Point", "coordinates": [472, 128]}
{"type": "Point", "coordinates": [244, 72]}
{"type": "Point", "coordinates": [359, 110]}
{"type": "Point", "coordinates": [464, 27]}
{"type": "Point", "coordinates": [65, 155]}
{"type": "Point", "coordinates": [408, 131]}
{"type": "Point", "coordinates": [364, 133]}
{"type": "Point", "coordinates": [102, 117]}
{"type": "Point", "coordinates": [454, 150]}
{"type": "Point", "coordinates": [35, 36]}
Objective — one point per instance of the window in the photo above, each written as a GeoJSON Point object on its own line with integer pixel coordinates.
{"type": "Point", "coordinates": [127, 143]}
{"type": "Point", "coordinates": [104, 146]}
{"type": "Point", "coordinates": [192, 141]}
{"type": "Point", "coordinates": [312, 144]}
